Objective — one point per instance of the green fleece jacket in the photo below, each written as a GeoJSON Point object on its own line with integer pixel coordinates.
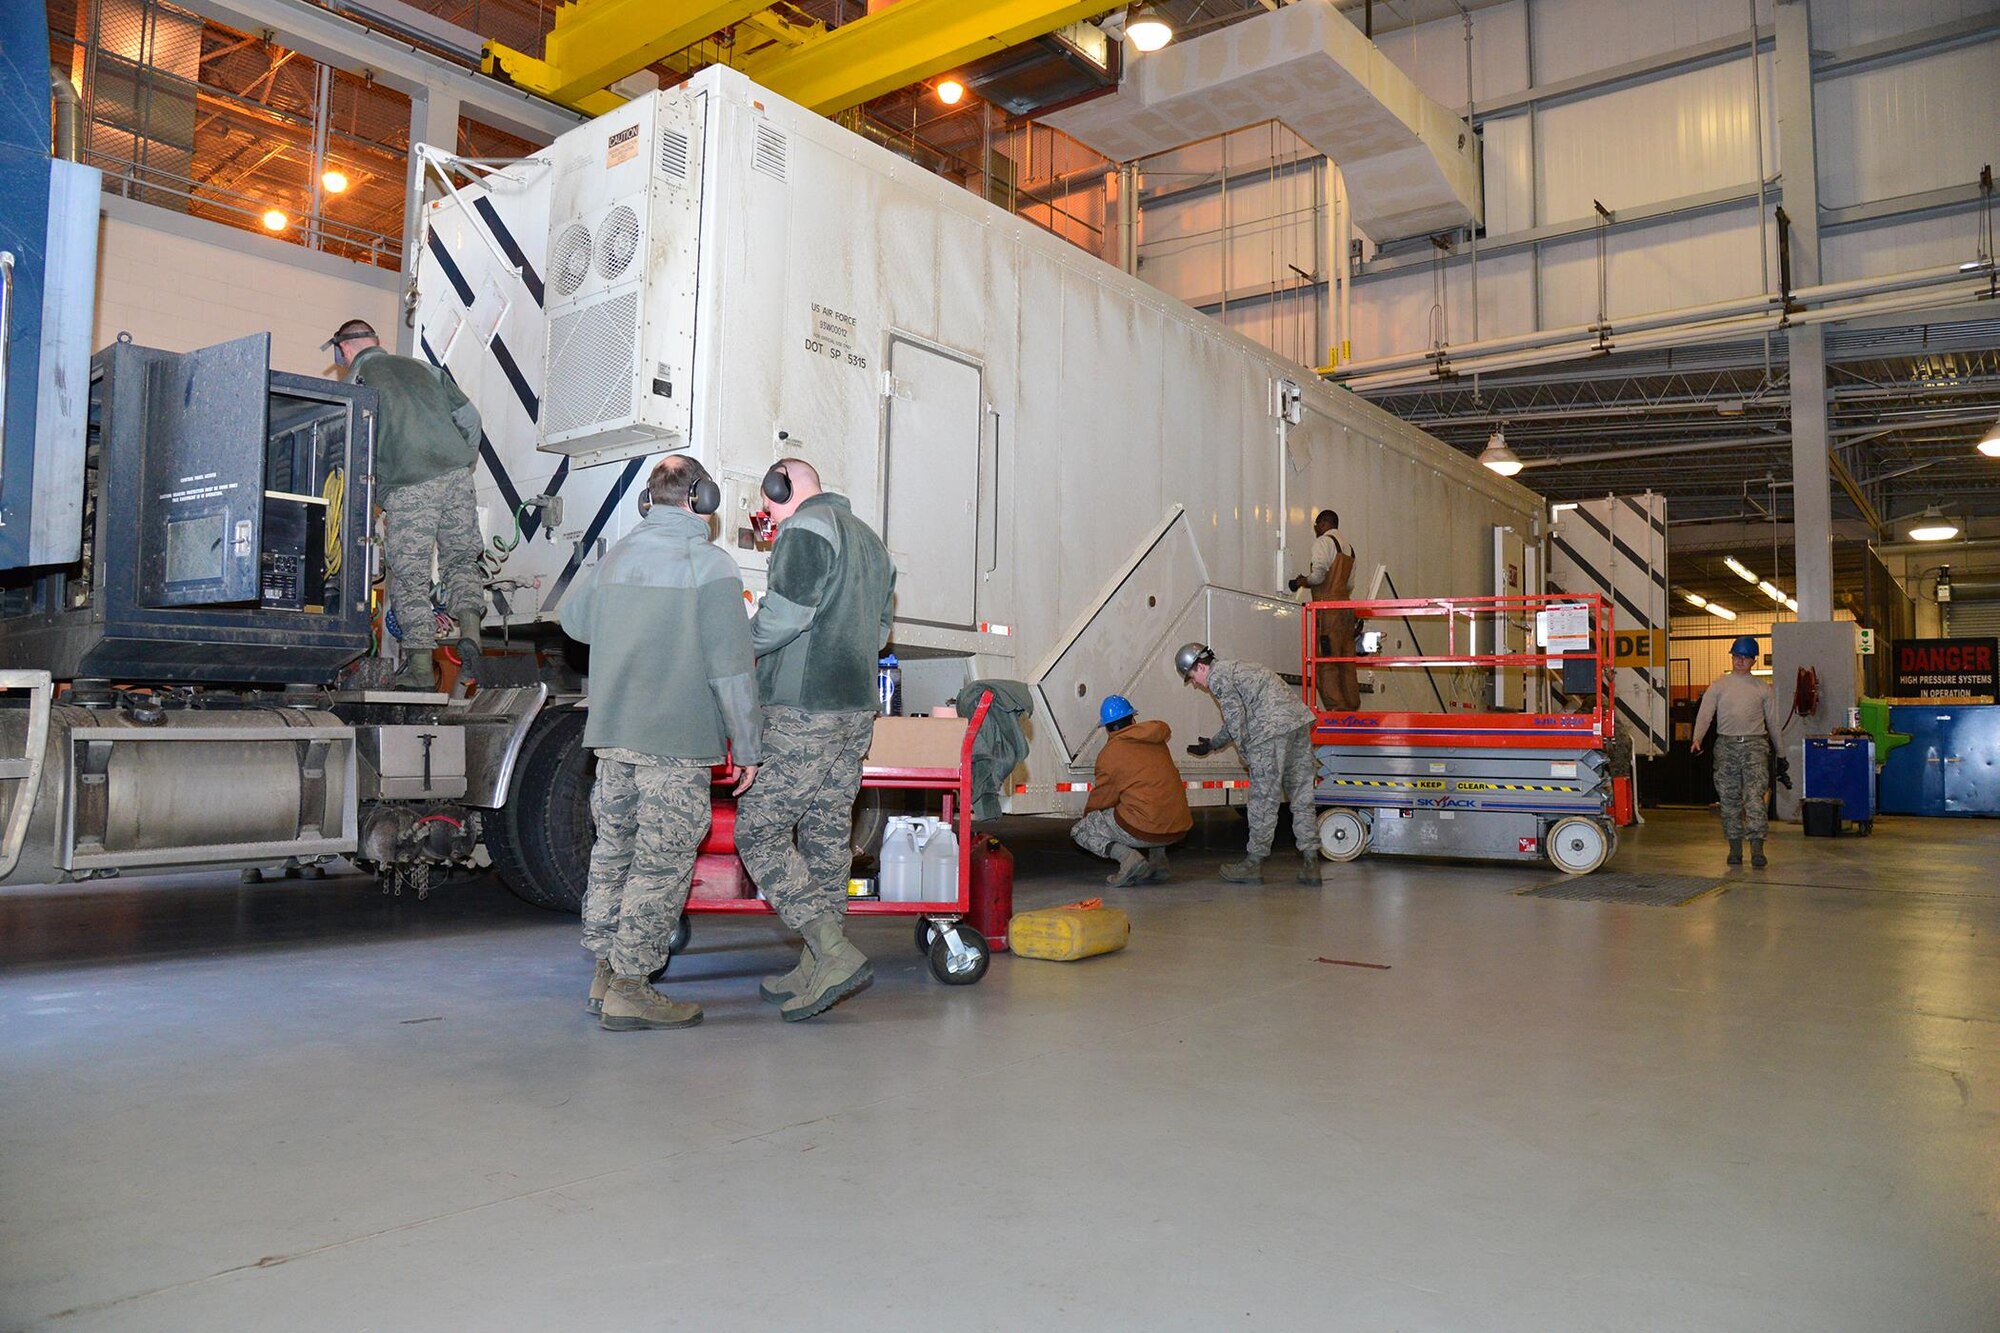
{"type": "Point", "coordinates": [827, 608]}
{"type": "Point", "coordinates": [670, 667]}
{"type": "Point", "coordinates": [424, 426]}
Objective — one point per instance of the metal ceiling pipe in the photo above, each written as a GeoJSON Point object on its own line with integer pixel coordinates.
{"type": "Point", "coordinates": [1620, 330]}
{"type": "Point", "coordinates": [1656, 451]}
{"type": "Point", "coordinates": [1936, 548]}
{"type": "Point", "coordinates": [1905, 302]}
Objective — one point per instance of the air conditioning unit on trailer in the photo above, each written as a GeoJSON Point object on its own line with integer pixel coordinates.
{"type": "Point", "coordinates": [624, 235]}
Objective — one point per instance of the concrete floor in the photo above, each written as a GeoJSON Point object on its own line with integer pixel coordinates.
{"type": "Point", "coordinates": [311, 1107]}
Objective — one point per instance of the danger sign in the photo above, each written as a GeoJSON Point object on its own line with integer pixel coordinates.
{"type": "Point", "coordinates": [1945, 668]}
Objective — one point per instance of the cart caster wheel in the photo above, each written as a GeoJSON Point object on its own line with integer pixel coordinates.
{"type": "Point", "coordinates": [926, 932]}
{"type": "Point", "coordinates": [960, 972]}
{"type": "Point", "coordinates": [678, 941]}
{"type": "Point", "coordinates": [1867, 827]}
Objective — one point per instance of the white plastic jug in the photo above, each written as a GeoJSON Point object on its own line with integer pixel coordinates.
{"type": "Point", "coordinates": [941, 866]}
{"type": "Point", "coordinates": [902, 877]}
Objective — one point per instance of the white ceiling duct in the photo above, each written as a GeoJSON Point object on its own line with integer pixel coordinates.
{"type": "Point", "coordinates": [1412, 166]}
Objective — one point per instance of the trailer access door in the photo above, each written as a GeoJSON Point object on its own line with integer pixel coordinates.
{"type": "Point", "coordinates": [930, 505]}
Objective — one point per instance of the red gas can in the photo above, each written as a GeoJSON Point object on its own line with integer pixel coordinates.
{"type": "Point", "coordinates": [992, 891]}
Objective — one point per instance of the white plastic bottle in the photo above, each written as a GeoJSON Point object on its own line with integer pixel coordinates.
{"type": "Point", "coordinates": [902, 866]}
{"type": "Point", "coordinates": [941, 867]}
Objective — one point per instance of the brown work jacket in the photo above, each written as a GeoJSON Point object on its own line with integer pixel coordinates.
{"type": "Point", "coordinates": [1136, 780]}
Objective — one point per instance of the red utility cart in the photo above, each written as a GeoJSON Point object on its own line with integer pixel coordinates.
{"type": "Point", "coordinates": [958, 953]}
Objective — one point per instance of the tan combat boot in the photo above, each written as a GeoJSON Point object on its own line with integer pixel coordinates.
{"type": "Point", "coordinates": [778, 989]}
{"type": "Point", "coordinates": [1250, 870]}
{"type": "Point", "coordinates": [470, 659]}
{"type": "Point", "coordinates": [838, 971]}
{"type": "Point", "coordinates": [418, 672]}
{"type": "Point", "coordinates": [1131, 868]}
{"type": "Point", "coordinates": [1309, 865]}
{"type": "Point", "coordinates": [600, 981]}
{"type": "Point", "coordinates": [630, 1003]}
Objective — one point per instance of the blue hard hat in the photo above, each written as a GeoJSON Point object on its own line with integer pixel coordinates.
{"type": "Point", "coordinates": [1745, 646]}
{"type": "Point", "coordinates": [1115, 708]}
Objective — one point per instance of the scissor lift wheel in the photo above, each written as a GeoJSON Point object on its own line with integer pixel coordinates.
{"type": "Point", "coordinates": [1576, 846]}
{"type": "Point", "coordinates": [1343, 834]}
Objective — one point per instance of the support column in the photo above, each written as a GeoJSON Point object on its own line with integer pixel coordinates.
{"type": "Point", "coordinates": [1812, 490]}
{"type": "Point", "coordinates": [433, 120]}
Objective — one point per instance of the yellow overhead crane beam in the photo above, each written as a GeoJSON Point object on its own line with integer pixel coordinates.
{"type": "Point", "coordinates": [597, 42]}
{"type": "Point", "coordinates": [904, 44]}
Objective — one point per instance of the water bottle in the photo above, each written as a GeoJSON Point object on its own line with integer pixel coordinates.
{"type": "Point", "coordinates": [889, 686]}
{"type": "Point", "coordinates": [902, 873]}
{"type": "Point", "coordinates": [941, 867]}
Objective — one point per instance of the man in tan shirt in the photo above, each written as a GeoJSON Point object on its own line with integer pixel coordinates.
{"type": "Point", "coordinates": [1744, 710]}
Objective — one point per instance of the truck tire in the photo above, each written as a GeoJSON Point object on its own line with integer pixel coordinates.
{"type": "Point", "coordinates": [540, 839]}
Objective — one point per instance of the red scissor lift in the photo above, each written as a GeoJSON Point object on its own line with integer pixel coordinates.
{"type": "Point", "coordinates": [958, 953]}
{"type": "Point", "coordinates": [1477, 781]}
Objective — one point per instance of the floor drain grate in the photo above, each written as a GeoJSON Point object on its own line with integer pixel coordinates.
{"type": "Point", "coordinates": [1628, 887]}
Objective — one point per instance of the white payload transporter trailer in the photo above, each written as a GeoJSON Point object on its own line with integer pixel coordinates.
{"type": "Point", "coordinates": [1074, 472]}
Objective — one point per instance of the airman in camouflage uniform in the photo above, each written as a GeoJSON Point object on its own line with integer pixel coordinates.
{"type": "Point", "coordinates": [671, 686]}
{"type": "Point", "coordinates": [807, 756]}
{"type": "Point", "coordinates": [823, 620]}
{"type": "Point", "coordinates": [650, 814]}
{"type": "Point", "coordinates": [1271, 727]}
{"type": "Point", "coordinates": [439, 514]}
{"type": "Point", "coordinates": [1744, 711]}
{"type": "Point", "coordinates": [426, 438]}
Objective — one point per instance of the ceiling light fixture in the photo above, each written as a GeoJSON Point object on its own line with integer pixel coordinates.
{"type": "Point", "coordinates": [1792, 605]}
{"type": "Point", "coordinates": [1933, 526]}
{"type": "Point", "coordinates": [1770, 590]}
{"type": "Point", "coordinates": [1990, 443]}
{"type": "Point", "coordinates": [333, 182]}
{"type": "Point", "coordinates": [1147, 29]}
{"type": "Point", "coordinates": [950, 91]}
{"type": "Point", "coordinates": [1720, 612]}
{"type": "Point", "coordinates": [1499, 457]}
{"type": "Point", "coordinates": [275, 219]}
{"type": "Point", "coordinates": [1738, 568]}
{"type": "Point", "coordinates": [1696, 600]}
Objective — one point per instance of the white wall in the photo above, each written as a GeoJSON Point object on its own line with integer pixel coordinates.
{"type": "Point", "coordinates": [179, 283]}
{"type": "Point", "coordinates": [1883, 131]}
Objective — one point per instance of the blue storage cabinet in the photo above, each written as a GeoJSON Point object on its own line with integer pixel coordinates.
{"type": "Point", "coordinates": [1951, 765]}
{"type": "Point", "coordinates": [1842, 768]}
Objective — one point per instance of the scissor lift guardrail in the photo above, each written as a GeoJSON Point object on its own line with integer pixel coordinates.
{"type": "Point", "coordinates": [1494, 785]}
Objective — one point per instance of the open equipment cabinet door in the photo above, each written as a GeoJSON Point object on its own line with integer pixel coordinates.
{"type": "Point", "coordinates": [202, 508]}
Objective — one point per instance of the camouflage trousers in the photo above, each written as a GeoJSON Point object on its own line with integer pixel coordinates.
{"type": "Point", "coordinates": [1281, 768]}
{"type": "Point", "coordinates": [795, 826]}
{"type": "Point", "coordinates": [651, 817]}
{"type": "Point", "coordinates": [441, 514]}
{"type": "Point", "coordinates": [1742, 783]}
{"type": "Point", "coordinates": [1100, 834]}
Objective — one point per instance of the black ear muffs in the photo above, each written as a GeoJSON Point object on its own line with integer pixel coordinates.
{"type": "Point", "coordinates": [777, 485]}
{"type": "Point", "coordinates": [704, 497]}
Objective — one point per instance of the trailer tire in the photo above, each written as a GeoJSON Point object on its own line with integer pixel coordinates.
{"type": "Point", "coordinates": [540, 838]}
